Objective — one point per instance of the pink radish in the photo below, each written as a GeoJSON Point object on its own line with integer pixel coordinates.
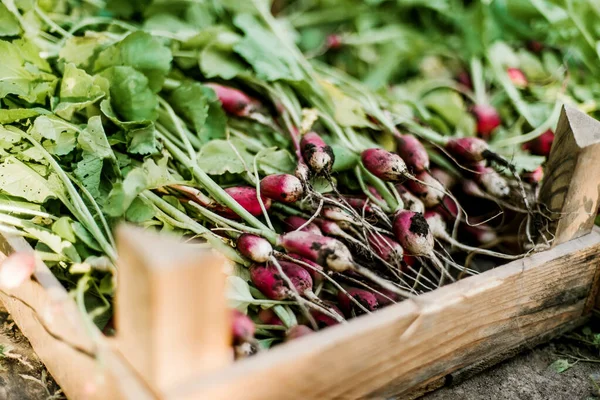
{"type": "Point", "coordinates": [246, 197]}
{"type": "Point", "coordinates": [323, 250]}
{"type": "Point", "coordinates": [293, 222]}
{"type": "Point", "coordinates": [493, 183]}
{"type": "Point", "coordinates": [464, 78]}
{"type": "Point", "coordinates": [316, 153]}
{"type": "Point", "coordinates": [411, 261]}
{"type": "Point", "coordinates": [411, 202]}
{"type": "Point", "coordinates": [385, 247]}
{"type": "Point", "coordinates": [267, 279]}
{"type": "Point", "coordinates": [335, 213]}
{"type": "Point", "coordinates": [431, 193]}
{"type": "Point", "coordinates": [16, 269]}
{"type": "Point", "coordinates": [412, 232]}
{"type": "Point", "coordinates": [535, 176]}
{"type": "Point", "coordinates": [359, 203]}
{"type": "Point", "coordinates": [480, 233]}
{"type": "Point", "coordinates": [448, 209]}
{"type": "Point", "coordinates": [282, 187]}
{"type": "Point", "coordinates": [386, 297]}
{"type": "Point", "coordinates": [467, 149]}
{"type": "Point", "coordinates": [267, 316]}
{"type": "Point", "coordinates": [386, 166]}
{"type": "Point", "coordinates": [366, 298]}
{"type": "Point", "coordinates": [541, 145]}
{"type": "Point", "coordinates": [242, 327]}
{"type": "Point", "coordinates": [234, 101]}
{"type": "Point", "coordinates": [254, 247]}
{"type": "Point", "coordinates": [448, 181]}
{"type": "Point", "coordinates": [313, 270]}
{"type": "Point", "coordinates": [297, 331]}
{"type": "Point", "coordinates": [413, 153]}
{"type": "Point", "coordinates": [324, 320]}
{"type": "Point", "coordinates": [333, 41]}
{"type": "Point", "coordinates": [487, 118]}
{"type": "Point", "coordinates": [517, 77]}
{"type": "Point", "coordinates": [302, 171]}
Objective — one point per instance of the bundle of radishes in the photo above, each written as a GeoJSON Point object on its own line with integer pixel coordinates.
{"type": "Point", "coordinates": [331, 198]}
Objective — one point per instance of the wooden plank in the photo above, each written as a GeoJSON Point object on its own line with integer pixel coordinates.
{"type": "Point", "coordinates": [80, 376]}
{"type": "Point", "coordinates": [571, 187]}
{"type": "Point", "coordinates": [390, 352]}
{"type": "Point", "coordinates": [172, 318]}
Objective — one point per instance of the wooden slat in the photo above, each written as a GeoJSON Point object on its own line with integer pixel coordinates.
{"type": "Point", "coordinates": [401, 347]}
{"type": "Point", "coordinates": [571, 186]}
{"type": "Point", "coordinates": [80, 376]}
{"type": "Point", "coordinates": [172, 318]}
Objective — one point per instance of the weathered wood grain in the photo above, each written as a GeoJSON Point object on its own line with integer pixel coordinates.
{"type": "Point", "coordinates": [172, 318]}
{"type": "Point", "coordinates": [571, 189]}
{"type": "Point", "coordinates": [388, 353]}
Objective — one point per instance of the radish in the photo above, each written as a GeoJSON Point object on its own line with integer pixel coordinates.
{"type": "Point", "coordinates": [385, 247]}
{"type": "Point", "coordinates": [16, 269]}
{"type": "Point", "coordinates": [413, 153]}
{"type": "Point", "coordinates": [487, 118]}
{"type": "Point", "coordinates": [316, 153]}
{"type": "Point", "coordinates": [359, 203]}
{"type": "Point", "coordinates": [411, 202]}
{"type": "Point", "coordinates": [431, 192]}
{"type": "Point", "coordinates": [386, 166]}
{"type": "Point", "coordinates": [481, 233]}
{"type": "Point", "coordinates": [535, 46]}
{"type": "Point", "coordinates": [336, 214]}
{"type": "Point", "coordinates": [234, 101]}
{"type": "Point", "coordinates": [333, 41]}
{"type": "Point", "coordinates": [517, 77]}
{"type": "Point", "coordinates": [467, 149]}
{"type": "Point", "coordinates": [267, 279]}
{"type": "Point", "coordinates": [541, 145]}
{"type": "Point", "coordinates": [297, 331]}
{"type": "Point", "coordinates": [302, 171]}
{"type": "Point", "coordinates": [324, 320]}
{"type": "Point", "coordinates": [448, 209]}
{"type": "Point", "coordinates": [246, 197]}
{"type": "Point", "coordinates": [254, 247]}
{"type": "Point", "coordinates": [385, 298]}
{"type": "Point", "coordinates": [293, 222]}
{"type": "Point", "coordinates": [314, 269]}
{"type": "Point", "coordinates": [412, 232]}
{"type": "Point", "coordinates": [282, 187]}
{"type": "Point", "coordinates": [492, 182]}
{"type": "Point", "coordinates": [448, 181]}
{"type": "Point", "coordinates": [242, 327]}
{"type": "Point", "coordinates": [535, 176]}
{"type": "Point", "coordinates": [367, 299]}
{"type": "Point", "coordinates": [464, 78]}
{"type": "Point", "coordinates": [267, 316]}
{"type": "Point", "coordinates": [330, 253]}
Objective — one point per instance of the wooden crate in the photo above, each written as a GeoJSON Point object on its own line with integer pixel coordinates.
{"type": "Point", "coordinates": [172, 325]}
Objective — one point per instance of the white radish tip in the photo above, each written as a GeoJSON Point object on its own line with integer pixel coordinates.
{"type": "Point", "coordinates": [16, 270]}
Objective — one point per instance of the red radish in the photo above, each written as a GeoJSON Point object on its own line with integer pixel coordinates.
{"type": "Point", "coordinates": [254, 247]}
{"type": "Point", "coordinates": [535, 176]}
{"type": "Point", "coordinates": [366, 298]}
{"type": "Point", "coordinates": [413, 153]}
{"type": "Point", "coordinates": [411, 202]}
{"type": "Point", "coordinates": [16, 269]}
{"type": "Point", "coordinates": [385, 247]}
{"type": "Point", "coordinates": [266, 278]}
{"type": "Point", "coordinates": [541, 145]}
{"type": "Point", "coordinates": [234, 101]}
{"type": "Point", "coordinates": [242, 327]}
{"type": "Point", "coordinates": [535, 46]}
{"type": "Point", "coordinates": [336, 214]}
{"type": "Point", "coordinates": [302, 172]}
{"type": "Point", "coordinates": [282, 187]}
{"type": "Point", "coordinates": [297, 331]}
{"type": "Point", "coordinates": [447, 180]}
{"type": "Point", "coordinates": [412, 232]}
{"type": "Point", "coordinates": [493, 183]}
{"type": "Point", "coordinates": [316, 153]}
{"type": "Point", "coordinates": [517, 77]}
{"type": "Point", "coordinates": [436, 223]}
{"type": "Point", "coordinates": [359, 203]}
{"type": "Point", "coordinates": [448, 208]}
{"type": "Point", "coordinates": [374, 192]}
{"type": "Point", "coordinates": [333, 41]}
{"type": "Point", "coordinates": [323, 250]}
{"type": "Point", "coordinates": [467, 149]}
{"type": "Point", "coordinates": [385, 297]}
{"type": "Point", "coordinates": [487, 118]}
{"type": "Point", "coordinates": [324, 320]}
{"type": "Point", "coordinates": [431, 193]}
{"type": "Point", "coordinates": [293, 222]}
{"type": "Point", "coordinates": [330, 228]}
{"type": "Point", "coordinates": [268, 316]}
{"type": "Point", "coordinates": [386, 166]}
{"type": "Point", "coordinates": [464, 79]}
{"type": "Point", "coordinates": [246, 197]}
{"type": "Point", "coordinates": [409, 260]}
{"type": "Point", "coordinates": [316, 276]}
